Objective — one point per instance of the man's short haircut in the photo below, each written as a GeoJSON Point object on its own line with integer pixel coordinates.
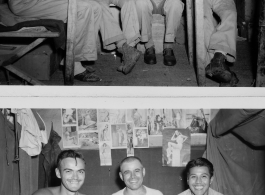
{"type": "Point", "coordinates": [199, 162]}
{"type": "Point", "coordinates": [130, 159]}
{"type": "Point", "coordinates": [69, 154]}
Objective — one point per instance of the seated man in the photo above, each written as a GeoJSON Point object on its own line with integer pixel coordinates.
{"type": "Point", "coordinates": [220, 40]}
{"type": "Point", "coordinates": [199, 177]}
{"type": "Point", "coordinates": [71, 170]}
{"type": "Point", "coordinates": [172, 9]}
{"type": "Point", "coordinates": [132, 173]}
{"type": "Point", "coordinates": [125, 39]}
{"type": "Point", "coordinates": [87, 26]}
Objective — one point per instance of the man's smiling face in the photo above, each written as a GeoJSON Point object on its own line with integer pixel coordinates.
{"type": "Point", "coordinates": [199, 180]}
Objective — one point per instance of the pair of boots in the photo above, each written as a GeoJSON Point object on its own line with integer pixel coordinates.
{"type": "Point", "coordinates": [219, 71]}
{"type": "Point", "coordinates": [169, 57]}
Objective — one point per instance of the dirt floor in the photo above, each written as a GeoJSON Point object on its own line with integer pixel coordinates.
{"type": "Point", "coordinates": [183, 74]}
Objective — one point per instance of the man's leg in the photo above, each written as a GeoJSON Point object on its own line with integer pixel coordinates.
{"type": "Point", "coordinates": [113, 37]}
{"type": "Point", "coordinates": [87, 22]}
{"type": "Point", "coordinates": [173, 11]}
{"type": "Point", "coordinates": [145, 16]}
{"type": "Point", "coordinates": [221, 41]}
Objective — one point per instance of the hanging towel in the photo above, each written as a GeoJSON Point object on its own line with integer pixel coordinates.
{"type": "Point", "coordinates": [31, 136]}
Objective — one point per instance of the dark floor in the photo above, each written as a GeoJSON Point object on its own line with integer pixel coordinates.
{"type": "Point", "coordinates": [183, 74]}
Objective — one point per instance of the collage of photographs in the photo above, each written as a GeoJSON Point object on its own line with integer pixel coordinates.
{"type": "Point", "coordinates": [107, 129]}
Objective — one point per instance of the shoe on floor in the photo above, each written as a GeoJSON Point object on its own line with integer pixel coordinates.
{"type": "Point", "coordinates": [218, 70]}
{"type": "Point", "coordinates": [232, 83]}
{"type": "Point", "coordinates": [130, 56]}
{"type": "Point", "coordinates": [150, 55]}
{"type": "Point", "coordinates": [169, 57]}
{"type": "Point", "coordinates": [87, 76]}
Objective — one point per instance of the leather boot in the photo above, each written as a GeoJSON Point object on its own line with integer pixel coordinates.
{"type": "Point", "coordinates": [169, 57]}
{"type": "Point", "coordinates": [150, 55]}
{"type": "Point", "coordinates": [218, 70]}
{"type": "Point", "coordinates": [130, 55]}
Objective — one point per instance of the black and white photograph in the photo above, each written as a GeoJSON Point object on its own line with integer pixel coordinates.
{"type": "Point", "coordinates": [69, 116]}
{"type": "Point", "coordinates": [70, 137]}
{"type": "Point", "coordinates": [119, 136]}
{"type": "Point", "coordinates": [140, 137]}
{"type": "Point", "coordinates": [176, 147]}
{"type": "Point", "coordinates": [87, 119]}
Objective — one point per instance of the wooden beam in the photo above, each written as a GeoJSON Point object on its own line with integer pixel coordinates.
{"type": "Point", "coordinates": [200, 48]}
{"type": "Point", "coordinates": [70, 55]}
{"type": "Point", "coordinates": [260, 78]}
{"type": "Point", "coordinates": [190, 33]}
{"type": "Point", "coordinates": [23, 75]}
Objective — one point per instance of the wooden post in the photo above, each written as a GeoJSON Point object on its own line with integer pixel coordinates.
{"type": "Point", "coordinates": [70, 55]}
{"type": "Point", "coordinates": [261, 45]}
{"type": "Point", "coordinates": [200, 48]}
{"type": "Point", "coordinates": [190, 29]}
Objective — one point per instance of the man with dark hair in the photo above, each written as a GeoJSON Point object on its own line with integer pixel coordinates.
{"type": "Point", "coordinates": [71, 170]}
{"type": "Point", "coordinates": [199, 177]}
{"type": "Point", "coordinates": [132, 173]}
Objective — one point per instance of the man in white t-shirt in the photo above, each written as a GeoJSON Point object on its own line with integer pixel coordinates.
{"type": "Point", "coordinates": [199, 178]}
{"type": "Point", "coordinates": [132, 173]}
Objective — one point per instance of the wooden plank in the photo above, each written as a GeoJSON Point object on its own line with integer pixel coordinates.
{"type": "Point", "coordinates": [260, 78]}
{"type": "Point", "coordinates": [70, 55]}
{"type": "Point", "coordinates": [22, 51]}
{"type": "Point", "coordinates": [190, 33]}
{"type": "Point", "coordinates": [29, 34]}
{"type": "Point", "coordinates": [200, 48]}
{"type": "Point", "coordinates": [23, 75]}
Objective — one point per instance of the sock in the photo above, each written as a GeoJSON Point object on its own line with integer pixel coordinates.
{"type": "Point", "coordinates": [168, 45]}
{"type": "Point", "coordinates": [120, 43]}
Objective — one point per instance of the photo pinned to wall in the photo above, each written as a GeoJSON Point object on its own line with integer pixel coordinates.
{"type": "Point", "coordinates": [117, 116]}
{"type": "Point", "coordinates": [87, 119]}
{"type": "Point", "coordinates": [130, 148]}
{"type": "Point", "coordinates": [88, 140]}
{"type": "Point", "coordinates": [119, 136]}
{"type": "Point", "coordinates": [68, 116]}
{"type": "Point", "coordinates": [197, 120]}
{"type": "Point", "coordinates": [105, 154]}
{"type": "Point", "coordinates": [176, 147]}
{"type": "Point", "coordinates": [137, 116]}
{"type": "Point", "coordinates": [159, 122]}
{"type": "Point", "coordinates": [178, 118]}
{"type": "Point", "coordinates": [140, 137]}
{"type": "Point", "coordinates": [104, 132]}
{"type": "Point", "coordinates": [103, 115]}
{"type": "Point", "coordinates": [70, 137]}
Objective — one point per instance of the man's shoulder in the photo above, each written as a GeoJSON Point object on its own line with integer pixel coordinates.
{"type": "Point", "coordinates": [47, 191]}
{"type": "Point", "coordinates": [120, 192]}
{"type": "Point", "coordinates": [186, 192]}
{"type": "Point", "coordinates": [213, 192]}
{"type": "Point", "coordinates": [151, 191]}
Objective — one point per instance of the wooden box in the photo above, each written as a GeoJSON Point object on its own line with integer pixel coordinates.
{"type": "Point", "coordinates": [41, 62]}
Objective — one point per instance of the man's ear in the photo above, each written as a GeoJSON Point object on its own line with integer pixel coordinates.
{"type": "Point", "coordinates": [143, 171]}
{"type": "Point", "coordinates": [58, 173]}
{"type": "Point", "coordinates": [121, 176]}
{"type": "Point", "coordinates": [211, 181]}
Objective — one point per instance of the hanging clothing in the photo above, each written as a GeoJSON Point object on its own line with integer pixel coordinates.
{"type": "Point", "coordinates": [9, 177]}
{"type": "Point", "coordinates": [31, 135]}
{"type": "Point", "coordinates": [236, 147]}
{"type": "Point", "coordinates": [51, 151]}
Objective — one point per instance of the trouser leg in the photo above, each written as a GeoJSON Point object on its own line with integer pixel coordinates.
{"type": "Point", "coordinates": [223, 36]}
{"type": "Point", "coordinates": [144, 11]}
{"type": "Point", "coordinates": [173, 11]}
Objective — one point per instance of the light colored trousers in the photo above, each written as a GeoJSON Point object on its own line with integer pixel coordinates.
{"type": "Point", "coordinates": [88, 20]}
{"type": "Point", "coordinates": [110, 28]}
{"type": "Point", "coordinates": [223, 36]}
{"type": "Point", "coordinates": [172, 10]}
